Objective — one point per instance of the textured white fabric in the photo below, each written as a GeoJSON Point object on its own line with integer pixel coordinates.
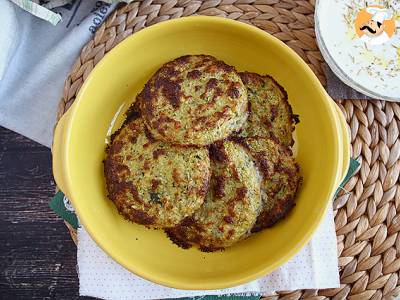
{"type": "Point", "coordinates": [315, 267]}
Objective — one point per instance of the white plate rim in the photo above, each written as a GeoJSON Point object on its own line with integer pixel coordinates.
{"type": "Point", "coordinates": [336, 68]}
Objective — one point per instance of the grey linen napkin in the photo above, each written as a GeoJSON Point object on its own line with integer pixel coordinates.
{"type": "Point", "coordinates": [337, 89]}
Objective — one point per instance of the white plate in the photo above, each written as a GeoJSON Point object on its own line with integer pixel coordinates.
{"type": "Point", "coordinates": [373, 70]}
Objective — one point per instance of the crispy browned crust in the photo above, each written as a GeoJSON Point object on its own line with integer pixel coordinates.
{"type": "Point", "coordinates": [123, 188]}
{"type": "Point", "coordinates": [285, 204]}
{"type": "Point", "coordinates": [165, 98]}
{"type": "Point", "coordinates": [194, 230]}
{"type": "Point", "coordinates": [278, 212]}
{"type": "Point", "coordinates": [116, 174]}
{"type": "Point", "coordinates": [180, 235]}
{"type": "Point", "coordinates": [218, 153]}
{"type": "Point", "coordinates": [258, 80]}
{"type": "Point", "coordinates": [134, 110]}
{"type": "Point", "coordinates": [188, 233]}
{"type": "Point", "coordinates": [280, 178]}
{"type": "Point", "coordinates": [262, 121]}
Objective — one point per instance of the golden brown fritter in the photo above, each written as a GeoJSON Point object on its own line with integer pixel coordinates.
{"type": "Point", "coordinates": [270, 114]}
{"type": "Point", "coordinates": [280, 178]}
{"type": "Point", "coordinates": [194, 100]}
{"type": "Point", "coordinates": [151, 182]}
{"type": "Point", "coordinates": [232, 204]}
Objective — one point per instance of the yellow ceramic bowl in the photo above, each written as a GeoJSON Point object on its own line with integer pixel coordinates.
{"type": "Point", "coordinates": [79, 145]}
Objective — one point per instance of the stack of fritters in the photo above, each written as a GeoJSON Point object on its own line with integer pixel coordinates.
{"type": "Point", "coordinates": [205, 154]}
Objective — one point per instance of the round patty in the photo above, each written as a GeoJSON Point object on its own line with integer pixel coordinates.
{"type": "Point", "coordinates": [232, 204]}
{"type": "Point", "coordinates": [151, 182]}
{"type": "Point", "coordinates": [280, 178]}
{"type": "Point", "coordinates": [270, 114]}
{"type": "Point", "coordinates": [194, 100]}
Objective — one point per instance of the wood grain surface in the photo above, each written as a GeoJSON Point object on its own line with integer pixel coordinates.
{"type": "Point", "coordinates": [37, 255]}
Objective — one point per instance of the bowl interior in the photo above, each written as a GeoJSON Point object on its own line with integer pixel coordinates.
{"type": "Point", "coordinates": [110, 89]}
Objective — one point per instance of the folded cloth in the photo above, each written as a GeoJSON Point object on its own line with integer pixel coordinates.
{"type": "Point", "coordinates": [35, 59]}
{"type": "Point", "coordinates": [314, 267]}
{"type": "Point", "coordinates": [45, 9]}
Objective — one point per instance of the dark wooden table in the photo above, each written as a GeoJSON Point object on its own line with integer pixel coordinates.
{"type": "Point", "coordinates": [37, 255]}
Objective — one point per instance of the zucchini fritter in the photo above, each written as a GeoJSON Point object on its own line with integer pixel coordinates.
{"type": "Point", "coordinates": [194, 100]}
{"type": "Point", "coordinates": [280, 178]}
{"type": "Point", "coordinates": [151, 182]}
{"type": "Point", "coordinates": [232, 204]}
{"type": "Point", "coordinates": [270, 114]}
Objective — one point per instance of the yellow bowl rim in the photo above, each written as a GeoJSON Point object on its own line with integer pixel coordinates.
{"type": "Point", "coordinates": [265, 269]}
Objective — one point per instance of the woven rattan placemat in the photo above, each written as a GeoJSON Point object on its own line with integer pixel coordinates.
{"type": "Point", "coordinates": [367, 213]}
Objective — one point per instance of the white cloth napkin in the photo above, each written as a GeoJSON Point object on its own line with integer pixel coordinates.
{"type": "Point", "coordinates": [35, 58]}
{"type": "Point", "coordinates": [314, 267]}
